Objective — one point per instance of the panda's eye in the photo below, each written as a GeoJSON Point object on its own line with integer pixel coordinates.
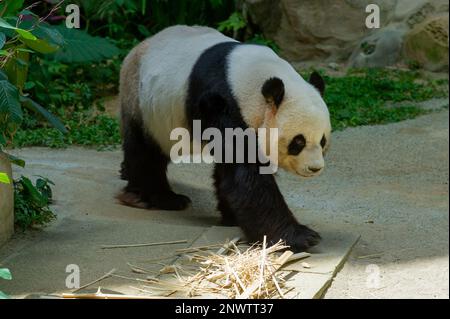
{"type": "Point", "coordinates": [296, 145]}
{"type": "Point", "coordinates": [323, 141]}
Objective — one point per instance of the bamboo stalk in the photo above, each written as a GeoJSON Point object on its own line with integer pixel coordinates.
{"type": "Point", "coordinates": [107, 275]}
{"type": "Point", "coordinates": [145, 245]}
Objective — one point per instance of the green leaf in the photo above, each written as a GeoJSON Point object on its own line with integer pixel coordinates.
{"type": "Point", "coordinates": [25, 34]}
{"type": "Point", "coordinates": [48, 39]}
{"type": "Point", "coordinates": [34, 192]}
{"type": "Point", "coordinates": [6, 25]}
{"type": "Point", "coordinates": [234, 23]}
{"type": "Point", "coordinates": [216, 3]}
{"type": "Point", "coordinates": [3, 295]}
{"type": "Point", "coordinates": [2, 40]}
{"type": "Point", "coordinates": [15, 160]}
{"type": "Point", "coordinates": [5, 274]}
{"type": "Point", "coordinates": [12, 7]}
{"type": "Point", "coordinates": [35, 107]}
{"type": "Point", "coordinates": [4, 178]}
{"type": "Point", "coordinates": [81, 47]}
{"type": "Point", "coordinates": [9, 101]}
{"type": "Point", "coordinates": [17, 68]}
{"type": "Point", "coordinates": [40, 46]}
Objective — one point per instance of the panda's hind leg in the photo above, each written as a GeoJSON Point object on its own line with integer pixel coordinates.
{"type": "Point", "coordinates": [145, 168]}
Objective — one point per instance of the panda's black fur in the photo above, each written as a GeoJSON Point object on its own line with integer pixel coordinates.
{"type": "Point", "coordinates": [245, 197]}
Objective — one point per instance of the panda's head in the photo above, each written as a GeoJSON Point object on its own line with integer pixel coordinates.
{"type": "Point", "coordinates": [297, 109]}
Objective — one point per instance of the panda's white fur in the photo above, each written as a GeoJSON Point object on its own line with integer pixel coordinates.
{"type": "Point", "coordinates": [163, 87]}
{"type": "Point", "coordinates": [165, 67]}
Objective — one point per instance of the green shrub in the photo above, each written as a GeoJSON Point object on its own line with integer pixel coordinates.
{"type": "Point", "coordinates": [360, 97]}
{"type": "Point", "coordinates": [31, 202]}
{"type": "Point", "coordinates": [4, 274]}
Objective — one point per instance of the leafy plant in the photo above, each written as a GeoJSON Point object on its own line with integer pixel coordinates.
{"type": "Point", "coordinates": [4, 178]}
{"type": "Point", "coordinates": [79, 46]}
{"type": "Point", "coordinates": [234, 23]}
{"type": "Point", "coordinates": [127, 18]}
{"type": "Point", "coordinates": [31, 202]}
{"type": "Point", "coordinates": [98, 130]}
{"type": "Point", "coordinates": [17, 45]}
{"type": "Point", "coordinates": [360, 97]}
{"type": "Point", "coordinates": [4, 274]}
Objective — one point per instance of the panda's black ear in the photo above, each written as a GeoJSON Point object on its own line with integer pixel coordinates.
{"type": "Point", "coordinates": [273, 91]}
{"type": "Point", "coordinates": [318, 82]}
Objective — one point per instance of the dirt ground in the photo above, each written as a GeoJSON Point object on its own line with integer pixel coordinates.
{"type": "Point", "coordinates": [387, 183]}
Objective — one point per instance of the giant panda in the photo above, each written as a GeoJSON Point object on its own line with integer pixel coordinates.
{"type": "Point", "coordinates": [187, 73]}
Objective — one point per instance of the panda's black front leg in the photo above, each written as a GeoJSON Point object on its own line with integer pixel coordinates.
{"type": "Point", "coordinates": [254, 201]}
{"type": "Point", "coordinates": [228, 217]}
{"type": "Point", "coordinates": [246, 197]}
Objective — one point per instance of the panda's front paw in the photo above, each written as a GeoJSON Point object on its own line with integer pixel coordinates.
{"type": "Point", "coordinates": [300, 238]}
{"type": "Point", "coordinates": [170, 201]}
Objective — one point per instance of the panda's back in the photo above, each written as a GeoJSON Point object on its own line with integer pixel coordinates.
{"type": "Point", "coordinates": [164, 75]}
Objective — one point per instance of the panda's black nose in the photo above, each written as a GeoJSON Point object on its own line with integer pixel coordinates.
{"type": "Point", "coordinates": [314, 169]}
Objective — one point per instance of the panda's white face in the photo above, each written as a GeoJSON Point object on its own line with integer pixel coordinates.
{"type": "Point", "coordinates": [271, 94]}
{"type": "Point", "coordinates": [304, 137]}
{"type": "Point", "coordinates": [303, 122]}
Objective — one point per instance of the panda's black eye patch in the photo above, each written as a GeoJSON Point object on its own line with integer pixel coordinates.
{"type": "Point", "coordinates": [323, 141]}
{"type": "Point", "coordinates": [297, 144]}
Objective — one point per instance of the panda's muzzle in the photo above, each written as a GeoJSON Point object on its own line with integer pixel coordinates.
{"type": "Point", "coordinates": [314, 169]}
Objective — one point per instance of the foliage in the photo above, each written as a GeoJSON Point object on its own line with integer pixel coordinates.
{"type": "Point", "coordinates": [234, 23]}
{"type": "Point", "coordinates": [22, 33]}
{"type": "Point", "coordinates": [4, 274]}
{"type": "Point", "coordinates": [18, 42]}
{"type": "Point", "coordinates": [127, 19]}
{"type": "Point", "coordinates": [31, 202]}
{"type": "Point", "coordinates": [98, 130]}
{"type": "Point", "coordinates": [75, 86]}
{"type": "Point", "coordinates": [360, 97]}
{"type": "Point", "coordinates": [79, 46]}
{"type": "Point", "coordinates": [4, 178]}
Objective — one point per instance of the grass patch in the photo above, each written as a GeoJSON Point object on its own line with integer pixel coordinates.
{"type": "Point", "coordinates": [360, 97]}
{"type": "Point", "coordinates": [101, 131]}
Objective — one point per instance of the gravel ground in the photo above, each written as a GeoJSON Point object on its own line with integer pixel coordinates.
{"type": "Point", "coordinates": [388, 183]}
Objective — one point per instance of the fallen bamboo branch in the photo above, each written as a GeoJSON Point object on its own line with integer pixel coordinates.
{"type": "Point", "coordinates": [198, 248]}
{"type": "Point", "coordinates": [298, 256]}
{"type": "Point", "coordinates": [184, 241]}
{"type": "Point", "coordinates": [279, 262]}
{"type": "Point", "coordinates": [107, 275]}
{"type": "Point", "coordinates": [100, 295]}
{"type": "Point", "coordinates": [226, 247]}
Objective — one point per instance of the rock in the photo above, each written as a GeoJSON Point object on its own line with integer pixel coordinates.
{"type": "Point", "coordinates": [335, 31]}
{"type": "Point", "coordinates": [6, 203]}
{"type": "Point", "coordinates": [380, 49]}
{"type": "Point", "coordinates": [321, 29]}
{"type": "Point", "coordinates": [334, 66]}
{"type": "Point", "coordinates": [427, 43]}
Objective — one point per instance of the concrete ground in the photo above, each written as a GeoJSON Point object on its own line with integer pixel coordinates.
{"type": "Point", "coordinates": [387, 183]}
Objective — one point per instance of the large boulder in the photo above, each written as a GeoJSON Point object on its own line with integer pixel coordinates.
{"type": "Point", "coordinates": [335, 30]}
{"type": "Point", "coordinates": [6, 203]}
{"type": "Point", "coordinates": [379, 49]}
{"type": "Point", "coordinates": [427, 43]}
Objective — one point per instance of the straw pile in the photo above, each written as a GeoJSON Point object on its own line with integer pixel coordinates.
{"type": "Point", "coordinates": [231, 273]}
